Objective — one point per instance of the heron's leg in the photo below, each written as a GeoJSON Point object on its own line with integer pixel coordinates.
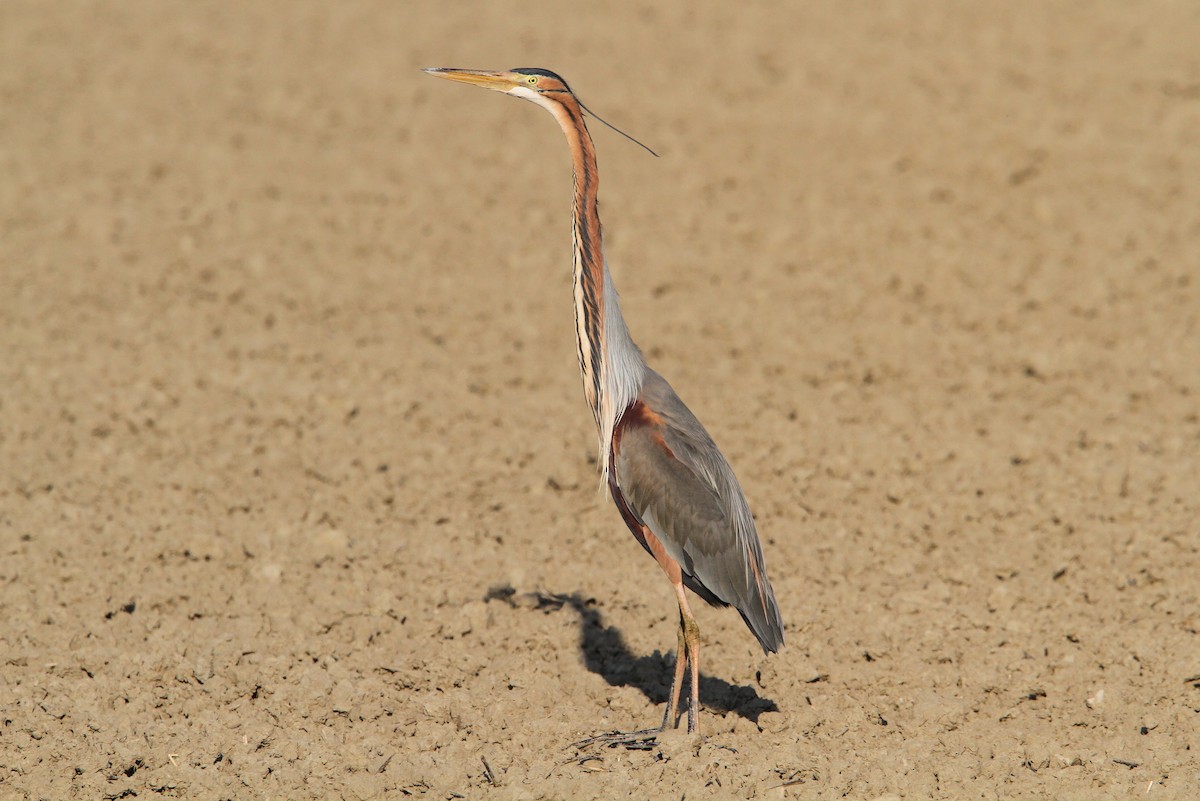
{"type": "Point", "coordinates": [671, 717]}
{"type": "Point", "coordinates": [687, 651]}
{"type": "Point", "coordinates": [689, 636]}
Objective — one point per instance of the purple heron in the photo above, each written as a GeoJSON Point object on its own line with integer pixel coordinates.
{"type": "Point", "coordinates": [671, 484]}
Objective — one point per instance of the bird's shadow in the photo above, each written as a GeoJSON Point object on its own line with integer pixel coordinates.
{"type": "Point", "coordinates": [606, 654]}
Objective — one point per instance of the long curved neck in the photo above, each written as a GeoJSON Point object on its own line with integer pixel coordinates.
{"type": "Point", "coordinates": [610, 363]}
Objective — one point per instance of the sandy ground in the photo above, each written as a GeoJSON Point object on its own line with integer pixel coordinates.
{"type": "Point", "coordinates": [298, 496]}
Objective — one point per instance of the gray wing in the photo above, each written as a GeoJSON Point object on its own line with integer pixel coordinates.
{"type": "Point", "coordinates": [676, 480]}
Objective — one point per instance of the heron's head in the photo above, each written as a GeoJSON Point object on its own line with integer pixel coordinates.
{"type": "Point", "coordinates": [528, 83]}
{"type": "Point", "coordinates": [534, 84]}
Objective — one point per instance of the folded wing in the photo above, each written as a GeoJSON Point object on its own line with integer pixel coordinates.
{"type": "Point", "coordinates": [677, 482]}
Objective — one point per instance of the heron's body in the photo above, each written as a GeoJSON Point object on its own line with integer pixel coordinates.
{"type": "Point", "coordinates": [673, 487]}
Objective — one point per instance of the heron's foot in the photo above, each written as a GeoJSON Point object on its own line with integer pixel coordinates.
{"type": "Point", "coordinates": [643, 740]}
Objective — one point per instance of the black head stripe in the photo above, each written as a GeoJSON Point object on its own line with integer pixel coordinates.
{"type": "Point", "coordinates": [543, 73]}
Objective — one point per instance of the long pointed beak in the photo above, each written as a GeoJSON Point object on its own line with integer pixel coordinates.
{"type": "Point", "coordinates": [498, 81]}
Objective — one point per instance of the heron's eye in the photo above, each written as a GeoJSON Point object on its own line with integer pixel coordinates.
{"type": "Point", "coordinates": [531, 79]}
